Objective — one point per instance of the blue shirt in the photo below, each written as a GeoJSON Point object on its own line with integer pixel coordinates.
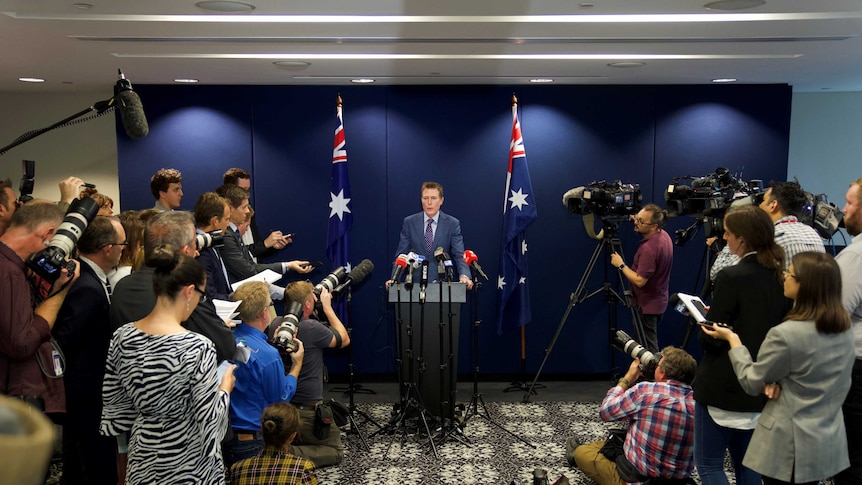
{"type": "Point", "coordinates": [259, 382]}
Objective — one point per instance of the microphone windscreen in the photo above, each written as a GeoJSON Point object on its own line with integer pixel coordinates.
{"type": "Point", "coordinates": [132, 114]}
{"type": "Point", "coordinates": [576, 193]}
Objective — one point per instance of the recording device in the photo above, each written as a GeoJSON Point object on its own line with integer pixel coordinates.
{"type": "Point", "coordinates": [283, 337]}
{"type": "Point", "coordinates": [412, 262]}
{"type": "Point", "coordinates": [330, 281]}
{"type": "Point", "coordinates": [25, 188]}
{"type": "Point", "coordinates": [47, 264]}
{"type": "Point", "coordinates": [614, 199]}
{"type": "Point", "coordinates": [624, 342]}
{"type": "Point", "coordinates": [694, 307]}
{"type": "Point", "coordinates": [443, 259]}
{"type": "Point", "coordinates": [824, 217]}
{"type": "Point", "coordinates": [313, 264]}
{"type": "Point", "coordinates": [400, 265]}
{"type": "Point", "coordinates": [473, 261]}
{"type": "Point", "coordinates": [423, 281]}
{"type": "Point", "coordinates": [131, 110]}
{"type": "Point", "coordinates": [713, 192]}
{"type": "Point", "coordinates": [356, 275]}
{"type": "Point", "coordinates": [212, 239]}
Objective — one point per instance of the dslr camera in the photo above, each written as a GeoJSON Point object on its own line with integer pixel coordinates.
{"type": "Point", "coordinates": [624, 342]}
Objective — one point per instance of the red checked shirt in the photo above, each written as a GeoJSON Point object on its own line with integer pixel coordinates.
{"type": "Point", "coordinates": [660, 440]}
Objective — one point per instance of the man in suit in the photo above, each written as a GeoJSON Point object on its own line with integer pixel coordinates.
{"type": "Point", "coordinates": [134, 297]}
{"type": "Point", "coordinates": [83, 331]}
{"type": "Point", "coordinates": [236, 257]}
{"type": "Point", "coordinates": [212, 213]}
{"type": "Point", "coordinates": [430, 229]}
{"type": "Point", "coordinates": [166, 185]}
{"type": "Point", "coordinates": [850, 262]}
{"type": "Point", "coordinates": [257, 245]}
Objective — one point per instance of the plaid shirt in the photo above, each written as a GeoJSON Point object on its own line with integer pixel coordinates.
{"type": "Point", "coordinates": [660, 440]}
{"type": "Point", "coordinates": [273, 467]}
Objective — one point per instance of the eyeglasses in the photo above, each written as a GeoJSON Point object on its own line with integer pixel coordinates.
{"type": "Point", "coordinates": [642, 222]}
{"type": "Point", "coordinates": [117, 244]}
{"type": "Point", "coordinates": [791, 275]}
{"type": "Point", "coordinates": [203, 295]}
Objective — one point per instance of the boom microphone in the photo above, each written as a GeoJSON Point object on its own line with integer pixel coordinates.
{"type": "Point", "coordinates": [356, 275]}
{"type": "Point", "coordinates": [131, 110]}
{"type": "Point", "coordinates": [471, 259]}
{"type": "Point", "coordinates": [400, 265]}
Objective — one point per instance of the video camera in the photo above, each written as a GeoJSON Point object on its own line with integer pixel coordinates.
{"type": "Point", "coordinates": [46, 265]}
{"type": "Point", "coordinates": [709, 195]}
{"type": "Point", "coordinates": [818, 213]}
{"type": "Point", "coordinates": [611, 200]}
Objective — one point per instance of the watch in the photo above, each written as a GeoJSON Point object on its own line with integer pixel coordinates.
{"type": "Point", "coordinates": [620, 267]}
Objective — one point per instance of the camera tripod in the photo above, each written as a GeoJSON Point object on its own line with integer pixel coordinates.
{"type": "Point", "coordinates": [608, 244]}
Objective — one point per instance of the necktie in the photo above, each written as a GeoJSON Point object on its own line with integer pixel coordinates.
{"type": "Point", "coordinates": [242, 246]}
{"type": "Point", "coordinates": [429, 237]}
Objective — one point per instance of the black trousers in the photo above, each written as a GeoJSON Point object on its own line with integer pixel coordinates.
{"type": "Point", "coordinates": [853, 423]}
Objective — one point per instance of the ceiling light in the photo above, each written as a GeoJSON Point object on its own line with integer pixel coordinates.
{"type": "Point", "coordinates": [362, 81]}
{"type": "Point", "coordinates": [83, 6]}
{"type": "Point", "coordinates": [405, 57]}
{"type": "Point", "coordinates": [224, 6]}
{"type": "Point", "coordinates": [725, 80]}
{"type": "Point", "coordinates": [186, 80]}
{"type": "Point", "coordinates": [541, 80]}
{"type": "Point", "coordinates": [31, 79]}
{"type": "Point", "coordinates": [625, 64]}
{"type": "Point", "coordinates": [733, 4]}
{"type": "Point", "coordinates": [291, 65]}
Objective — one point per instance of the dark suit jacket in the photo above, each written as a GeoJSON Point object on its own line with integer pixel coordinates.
{"type": "Point", "coordinates": [217, 285]}
{"type": "Point", "coordinates": [134, 298]}
{"type": "Point", "coordinates": [750, 298]}
{"type": "Point", "coordinates": [447, 236]}
{"type": "Point", "coordinates": [83, 331]}
{"type": "Point", "coordinates": [259, 249]}
{"type": "Point", "coordinates": [239, 266]}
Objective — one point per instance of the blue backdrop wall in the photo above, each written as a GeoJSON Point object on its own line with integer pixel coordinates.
{"type": "Point", "coordinates": [401, 136]}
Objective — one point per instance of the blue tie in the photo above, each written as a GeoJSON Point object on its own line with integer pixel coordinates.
{"type": "Point", "coordinates": [429, 237]}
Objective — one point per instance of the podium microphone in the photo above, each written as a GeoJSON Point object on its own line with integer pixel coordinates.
{"type": "Point", "coordinates": [423, 281]}
{"type": "Point", "coordinates": [445, 262]}
{"type": "Point", "coordinates": [472, 260]}
{"type": "Point", "coordinates": [411, 265]}
{"type": "Point", "coordinates": [400, 265]}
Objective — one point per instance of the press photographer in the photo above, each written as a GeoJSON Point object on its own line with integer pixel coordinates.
{"type": "Point", "coordinates": [26, 353]}
{"type": "Point", "coordinates": [659, 442]}
{"type": "Point", "coordinates": [649, 273]}
{"type": "Point", "coordinates": [319, 438]}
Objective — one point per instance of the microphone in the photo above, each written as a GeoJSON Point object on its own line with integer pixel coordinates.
{"type": "Point", "coordinates": [356, 275]}
{"type": "Point", "coordinates": [400, 265]}
{"type": "Point", "coordinates": [412, 263]}
{"type": "Point", "coordinates": [445, 261]}
{"type": "Point", "coordinates": [131, 110]}
{"type": "Point", "coordinates": [471, 259]}
{"type": "Point", "coordinates": [414, 259]}
{"type": "Point", "coordinates": [423, 282]}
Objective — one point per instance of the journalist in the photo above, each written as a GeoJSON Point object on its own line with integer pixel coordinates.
{"type": "Point", "coordinates": [659, 441]}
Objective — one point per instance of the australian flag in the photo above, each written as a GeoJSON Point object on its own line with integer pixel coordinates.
{"type": "Point", "coordinates": [340, 214]}
{"type": "Point", "coordinates": [519, 210]}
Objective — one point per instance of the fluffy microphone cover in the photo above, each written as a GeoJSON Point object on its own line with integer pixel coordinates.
{"type": "Point", "coordinates": [132, 114]}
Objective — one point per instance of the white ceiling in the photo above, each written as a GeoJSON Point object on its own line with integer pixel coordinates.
{"type": "Point", "coordinates": [811, 45]}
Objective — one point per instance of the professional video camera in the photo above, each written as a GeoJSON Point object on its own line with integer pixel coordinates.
{"type": "Point", "coordinates": [612, 200]}
{"type": "Point", "coordinates": [283, 337]}
{"type": "Point", "coordinates": [212, 239]}
{"type": "Point", "coordinates": [713, 193]}
{"type": "Point", "coordinates": [818, 213]}
{"type": "Point", "coordinates": [624, 342]}
{"type": "Point", "coordinates": [46, 265]}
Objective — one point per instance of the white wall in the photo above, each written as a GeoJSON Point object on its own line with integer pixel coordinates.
{"type": "Point", "coordinates": [87, 150]}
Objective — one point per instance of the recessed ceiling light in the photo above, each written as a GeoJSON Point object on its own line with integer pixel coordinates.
{"type": "Point", "coordinates": [586, 4]}
{"type": "Point", "coordinates": [734, 4]}
{"type": "Point", "coordinates": [625, 64]}
{"type": "Point", "coordinates": [291, 65]}
{"type": "Point", "coordinates": [31, 79]}
{"type": "Point", "coordinates": [83, 6]}
{"type": "Point", "coordinates": [725, 80]}
{"type": "Point", "coordinates": [362, 81]}
{"type": "Point", "coordinates": [540, 80]}
{"type": "Point", "coordinates": [224, 6]}
{"type": "Point", "coordinates": [186, 81]}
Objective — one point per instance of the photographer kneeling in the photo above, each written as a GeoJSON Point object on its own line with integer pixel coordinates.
{"type": "Point", "coordinates": [659, 442]}
{"type": "Point", "coordinates": [319, 438]}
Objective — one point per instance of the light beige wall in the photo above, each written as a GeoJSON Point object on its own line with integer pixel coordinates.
{"type": "Point", "coordinates": [87, 150]}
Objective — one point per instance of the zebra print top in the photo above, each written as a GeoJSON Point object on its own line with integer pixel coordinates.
{"type": "Point", "coordinates": [164, 389]}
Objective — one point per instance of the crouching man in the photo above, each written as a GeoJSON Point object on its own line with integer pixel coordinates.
{"type": "Point", "coordinates": [659, 442]}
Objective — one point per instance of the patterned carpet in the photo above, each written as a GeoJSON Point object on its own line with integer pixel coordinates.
{"type": "Point", "coordinates": [491, 455]}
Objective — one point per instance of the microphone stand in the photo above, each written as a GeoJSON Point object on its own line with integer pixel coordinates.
{"type": "Point", "coordinates": [100, 107]}
{"type": "Point", "coordinates": [473, 407]}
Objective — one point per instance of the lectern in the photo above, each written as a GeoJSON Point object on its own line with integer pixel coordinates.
{"type": "Point", "coordinates": [426, 320]}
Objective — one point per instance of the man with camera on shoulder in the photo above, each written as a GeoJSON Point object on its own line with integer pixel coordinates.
{"type": "Point", "coordinates": [25, 327]}
{"type": "Point", "coordinates": [319, 438]}
{"type": "Point", "coordinates": [659, 442]}
{"type": "Point", "coordinates": [261, 381]}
